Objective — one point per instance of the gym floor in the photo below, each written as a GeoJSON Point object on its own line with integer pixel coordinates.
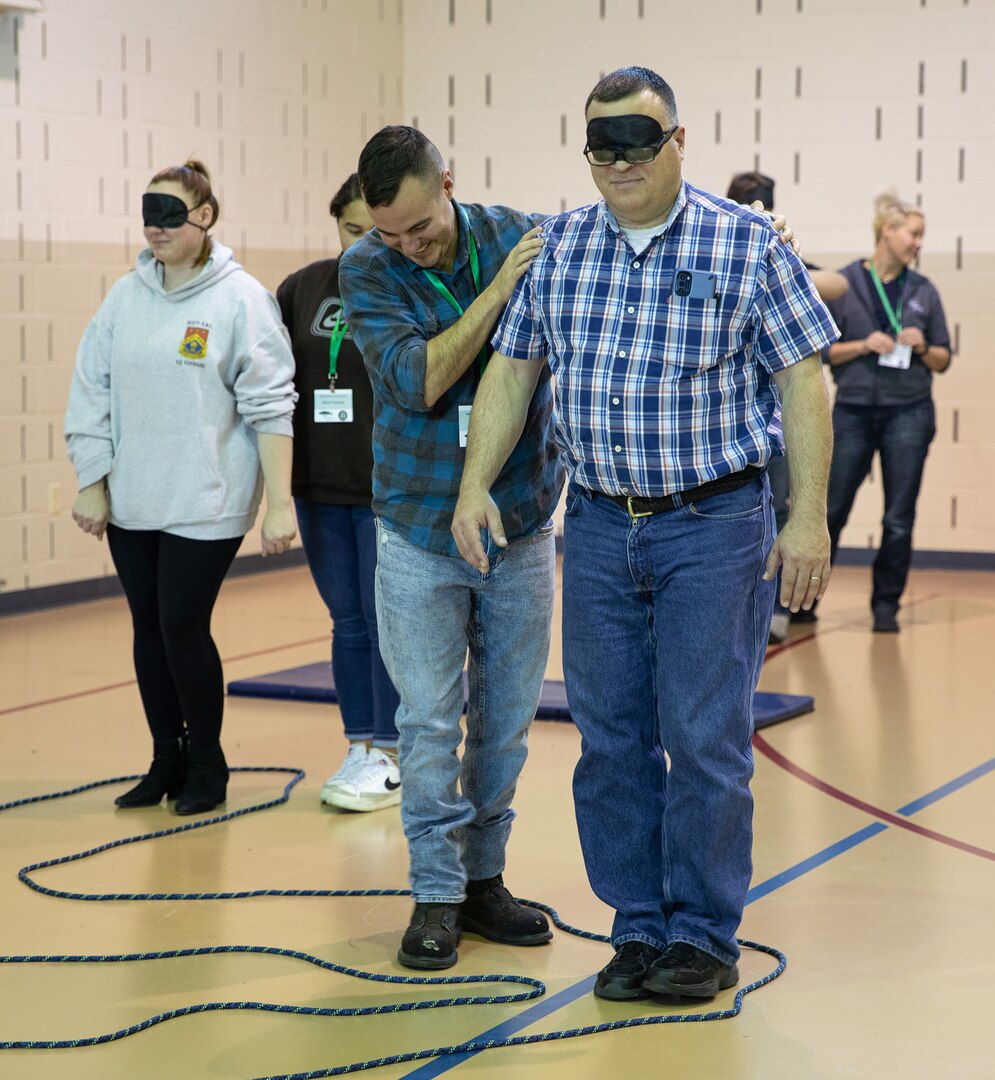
{"type": "Point", "coordinates": [874, 869]}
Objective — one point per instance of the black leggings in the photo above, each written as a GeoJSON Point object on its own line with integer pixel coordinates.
{"type": "Point", "coordinates": [171, 584]}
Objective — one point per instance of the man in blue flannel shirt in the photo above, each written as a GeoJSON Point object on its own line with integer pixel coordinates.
{"type": "Point", "coordinates": [422, 293]}
{"type": "Point", "coordinates": [673, 321]}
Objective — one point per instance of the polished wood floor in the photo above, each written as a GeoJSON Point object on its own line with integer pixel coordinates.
{"type": "Point", "coordinates": [874, 869]}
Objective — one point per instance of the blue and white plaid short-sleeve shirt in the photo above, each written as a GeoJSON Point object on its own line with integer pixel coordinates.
{"type": "Point", "coordinates": [656, 392]}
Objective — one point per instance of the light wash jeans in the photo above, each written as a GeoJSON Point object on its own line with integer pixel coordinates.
{"type": "Point", "coordinates": [340, 543]}
{"type": "Point", "coordinates": [665, 622]}
{"type": "Point", "coordinates": [432, 609]}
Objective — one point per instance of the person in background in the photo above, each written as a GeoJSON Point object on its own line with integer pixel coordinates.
{"type": "Point", "coordinates": [894, 338]}
{"type": "Point", "coordinates": [422, 292]}
{"type": "Point", "coordinates": [753, 188]}
{"type": "Point", "coordinates": [179, 416]}
{"type": "Point", "coordinates": [333, 488]}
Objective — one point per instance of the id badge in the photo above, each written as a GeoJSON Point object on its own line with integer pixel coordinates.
{"type": "Point", "coordinates": [900, 357]}
{"type": "Point", "coordinates": [464, 423]}
{"type": "Point", "coordinates": [333, 406]}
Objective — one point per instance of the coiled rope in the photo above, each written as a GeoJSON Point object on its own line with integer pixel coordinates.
{"type": "Point", "coordinates": [536, 988]}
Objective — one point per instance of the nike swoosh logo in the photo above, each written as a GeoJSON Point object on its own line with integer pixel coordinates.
{"type": "Point", "coordinates": [391, 786]}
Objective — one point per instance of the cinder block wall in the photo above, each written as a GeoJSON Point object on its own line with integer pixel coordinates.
{"type": "Point", "coordinates": [836, 99]}
{"type": "Point", "coordinates": [277, 97]}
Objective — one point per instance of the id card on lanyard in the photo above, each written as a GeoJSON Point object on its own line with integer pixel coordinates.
{"type": "Point", "coordinates": [901, 356]}
{"type": "Point", "coordinates": [441, 288]}
{"type": "Point", "coordinates": [333, 406]}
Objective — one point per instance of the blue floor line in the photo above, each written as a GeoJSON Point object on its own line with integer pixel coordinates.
{"type": "Point", "coordinates": [506, 1029]}
{"type": "Point", "coordinates": [947, 789]}
{"type": "Point", "coordinates": [813, 862]}
{"type": "Point", "coordinates": [765, 888]}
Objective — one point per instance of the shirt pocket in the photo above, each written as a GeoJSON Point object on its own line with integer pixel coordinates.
{"type": "Point", "coordinates": [699, 334]}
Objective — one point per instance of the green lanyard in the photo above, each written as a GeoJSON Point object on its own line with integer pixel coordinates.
{"type": "Point", "coordinates": [474, 271]}
{"type": "Point", "coordinates": [894, 317]}
{"type": "Point", "coordinates": [339, 331]}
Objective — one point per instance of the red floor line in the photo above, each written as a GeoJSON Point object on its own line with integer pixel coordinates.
{"type": "Point", "coordinates": [761, 744]}
{"type": "Point", "coordinates": [131, 682]}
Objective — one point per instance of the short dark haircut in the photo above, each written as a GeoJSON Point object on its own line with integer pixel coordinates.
{"type": "Point", "coordinates": [390, 157]}
{"type": "Point", "coordinates": [349, 192]}
{"type": "Point", "coordinates": [631, 80]}
{"type": "Point", "coordinates": [749, 187]}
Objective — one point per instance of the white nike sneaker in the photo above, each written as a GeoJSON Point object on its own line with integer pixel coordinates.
{"type": "Point", "coordinates": [376, 783]}
{"type": "Point", "coordinates": [353, 760]}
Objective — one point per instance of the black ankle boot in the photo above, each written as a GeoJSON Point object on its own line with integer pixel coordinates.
{"type": "Point", "coordinates": [166, 776]}
{"type": "Point", "coordinates": [207, 781]}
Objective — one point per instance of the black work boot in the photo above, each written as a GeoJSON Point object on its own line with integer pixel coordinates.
{"type": "Point", "coordinates": [492, 912]}
{"type": "Point", "coordinates": [431, 938]}
{"type": "Point", "coordinates": [621, 979]}
{"type": "Point", "coordinates": [166, 775]}
{"type": "Point", "coordinates": [684, 970]}
{"type": "Point", "coordinates": [207, 781]}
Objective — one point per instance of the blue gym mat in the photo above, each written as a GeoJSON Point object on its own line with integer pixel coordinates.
{"type": "Point", "coordinates": [313, 682]}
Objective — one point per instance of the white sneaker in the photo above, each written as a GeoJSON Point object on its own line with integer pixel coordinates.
{"type": "Point", "coordinates": [376, 783]}
{"type": "Point", "coordinates": [353, 760]}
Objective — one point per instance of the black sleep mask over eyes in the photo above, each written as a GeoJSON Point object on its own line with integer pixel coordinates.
{"type": "Point", "coordinates": [166, 211]}
{"type": "Point", "coordinates": [623, 132]}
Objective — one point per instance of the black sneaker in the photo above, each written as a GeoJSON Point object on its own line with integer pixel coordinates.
{"type": "Point", "coordinates": [431, 938]}
{"type": "Point", "coordinates": [622, 978]}
{"type": "Point", "coordinates": [685, 971]}
{"type": "Point", "coordinates": [885, 623]}
{"type": "Point", "coordinates": [492, 912]}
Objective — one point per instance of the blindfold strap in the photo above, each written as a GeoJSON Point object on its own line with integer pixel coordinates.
{"type": "Point", "coordinates": [623, 132]}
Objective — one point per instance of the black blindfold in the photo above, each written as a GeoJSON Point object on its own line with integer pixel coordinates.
{"type": "Point", "coordinates": [623, 132]}
{"type": "Point", "coordinates": [166, 211]}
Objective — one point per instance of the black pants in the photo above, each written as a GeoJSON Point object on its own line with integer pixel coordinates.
{"type": "Point", "coordinates": [171, 584]}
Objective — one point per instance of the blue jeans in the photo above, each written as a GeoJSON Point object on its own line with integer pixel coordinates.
{"type": "Point", "coordinates": [665, 623]}
{"type": "Point", "coordinates": [901, 434]}
{"type": "Point", "coordinates": [340, 543]}
{"type": "Point", "coordinates": [433, 608]}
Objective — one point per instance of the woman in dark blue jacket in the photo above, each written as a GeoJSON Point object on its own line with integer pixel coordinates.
{"type": "Point", "coordinates": [893, 338]}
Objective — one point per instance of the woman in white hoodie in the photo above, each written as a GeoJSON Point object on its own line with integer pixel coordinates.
{"type": "Point", "coordinates": [179, 416]}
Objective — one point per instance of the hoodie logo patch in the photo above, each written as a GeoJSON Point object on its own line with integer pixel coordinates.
{"type": "Point", "coordinates": [194, 346]}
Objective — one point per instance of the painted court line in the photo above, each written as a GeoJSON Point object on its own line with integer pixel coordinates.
{"type": "Point", "coordinates": [566, 997]}
{"type": "Point", "coordinates": [761, 744]}
{"type": "Point", "coordinates": [505, 1030]}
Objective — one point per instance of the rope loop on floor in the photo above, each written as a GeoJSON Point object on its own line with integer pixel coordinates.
{"type": "Point", "coordinates": [532, 988]}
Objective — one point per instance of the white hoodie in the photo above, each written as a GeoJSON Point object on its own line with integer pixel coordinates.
{"type": "Point", "coordinates": [169, 391]}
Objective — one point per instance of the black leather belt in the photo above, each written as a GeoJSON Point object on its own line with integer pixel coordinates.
{"type": "Point", "coordinates": [638, 507]}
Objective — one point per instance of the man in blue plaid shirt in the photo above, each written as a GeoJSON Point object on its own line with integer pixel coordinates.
{"type": "Point", "coordinates": [674, 321]}
{"type": "Point", "coordinates": [421, 295]}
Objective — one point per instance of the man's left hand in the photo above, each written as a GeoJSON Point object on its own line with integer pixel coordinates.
{"type": "Point", "coordinates": [802, 551]}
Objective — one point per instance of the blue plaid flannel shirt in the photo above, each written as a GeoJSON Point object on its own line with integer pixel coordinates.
{"type": "Point", "coordinates": [393, 311]}
{"type": "Point", "coordinates": [658, 393]}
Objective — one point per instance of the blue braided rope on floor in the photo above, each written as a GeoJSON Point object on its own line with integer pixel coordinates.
{"type": "Point", "coordinates": [536, 988]}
